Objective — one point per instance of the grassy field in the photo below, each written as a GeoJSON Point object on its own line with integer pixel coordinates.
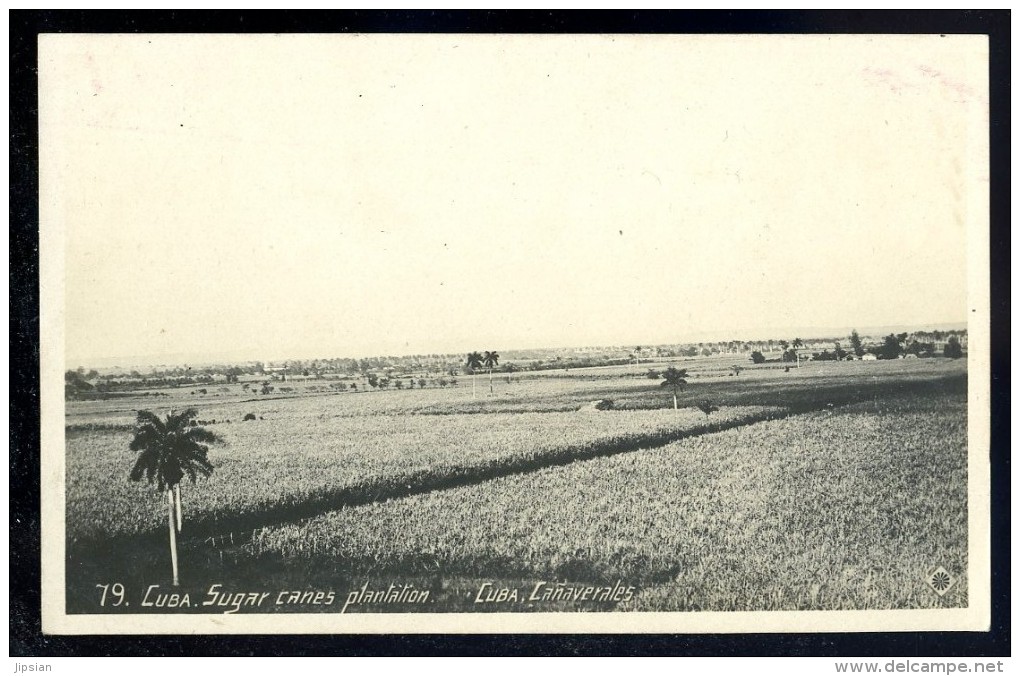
{"type": "Point", "coordinates": [835, 485]}
{"type": "Point", "coordinates": [740, 520]}
{"type": "Point", "coordinates": [270, 471]}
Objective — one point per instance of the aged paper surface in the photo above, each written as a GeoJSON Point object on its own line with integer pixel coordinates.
{"type": "Point", "coordinates": [469, 333]}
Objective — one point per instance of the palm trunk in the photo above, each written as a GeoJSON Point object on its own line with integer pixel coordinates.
{"type": "Point", "coordinates": [490, 382]}
{"type": "Point", "coordinates": [675, 407]}
{"type": "Point", "coordinates": [173, 534]}
{"type": "Point", "coordinates": [177, 500]}
{"type": "Point", "coordinates": [474, 381]}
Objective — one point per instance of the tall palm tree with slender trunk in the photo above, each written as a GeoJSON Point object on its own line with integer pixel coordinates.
{"type": "Point", "coordinates": [474, 362]}
{"type": "Point", "coordinates": [168, 450]}
{"type": "Point", "coordinates": [676, 379]}
{"type": "Point", "coordinates": [491, 359]}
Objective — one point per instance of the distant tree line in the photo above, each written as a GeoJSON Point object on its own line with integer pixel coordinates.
{"type": "Point", "coordinates": [893, 346]}
{"type": "Point", "coordinates": [412, 369]}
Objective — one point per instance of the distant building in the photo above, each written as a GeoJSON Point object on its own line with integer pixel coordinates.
{"type": "Point", "coordinates": [869, 357]}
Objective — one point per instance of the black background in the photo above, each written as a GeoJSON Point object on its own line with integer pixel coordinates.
{"type": "Point", "coordinates": [26, 638]}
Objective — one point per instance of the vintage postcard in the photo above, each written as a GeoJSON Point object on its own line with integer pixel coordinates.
{"type": "Point", "coordinates": [375, 333]}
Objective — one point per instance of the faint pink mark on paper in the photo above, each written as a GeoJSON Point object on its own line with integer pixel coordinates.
{"type": "Point", "coordinates": [963, 91]}
{"type": "Point", "coordinates": [887, 77]}
{"type": "Point", "coordinates": [96, 85]}
{"type": "Point", "coordinates": [912, 79]}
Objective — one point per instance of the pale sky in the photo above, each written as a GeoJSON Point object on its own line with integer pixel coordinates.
{"type": "Point", "coordinates": [318, 196]}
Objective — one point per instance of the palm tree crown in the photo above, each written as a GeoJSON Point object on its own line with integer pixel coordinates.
{"type": "Point", "coordinates": [674, 378]}
{"type": "Point", "coordinates": [474, 360]}
{"type": "Point", "coordinates": [170, 449]}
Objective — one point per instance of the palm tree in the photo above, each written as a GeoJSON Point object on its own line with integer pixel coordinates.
{"type": "Point", "coordinates": [474, 361]}
{"type": "Point", "coordinates": [167, 451]}
{"type": "Point", "coordinates": [676, 379]}
{"type": "Point", "coordinates": [491, 359]}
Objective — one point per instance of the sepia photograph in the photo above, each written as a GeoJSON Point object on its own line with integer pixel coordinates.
{"type": "Point", "coordinates": [480, 333]}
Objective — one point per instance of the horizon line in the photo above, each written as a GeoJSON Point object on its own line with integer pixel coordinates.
{"type": "Point", "coordinates": [167, 359]}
